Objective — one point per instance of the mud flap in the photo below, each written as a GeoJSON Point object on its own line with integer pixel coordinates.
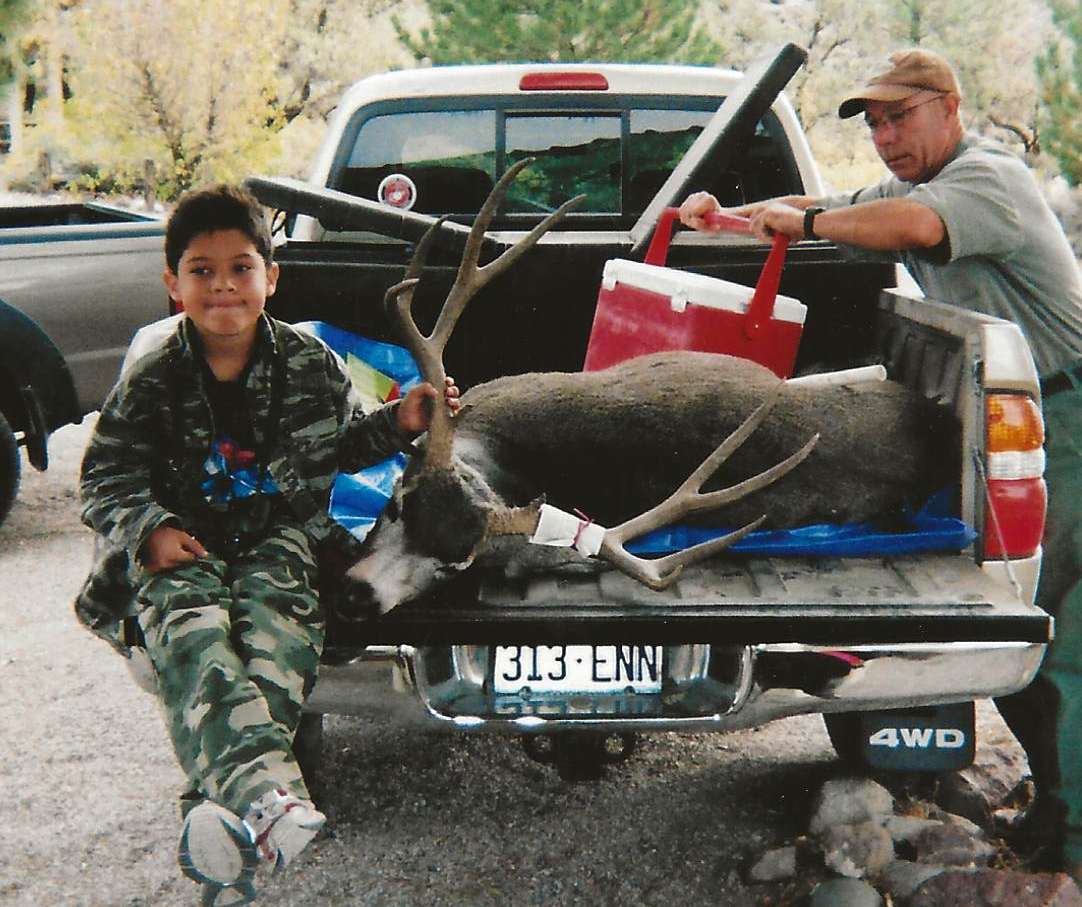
{"type": "Point", "coordinates": [935, 739]}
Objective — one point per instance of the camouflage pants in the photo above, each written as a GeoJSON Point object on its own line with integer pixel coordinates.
{"type": "Point", "coordinates": [236, 648]}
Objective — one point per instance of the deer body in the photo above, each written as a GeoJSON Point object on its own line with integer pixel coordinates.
{"type": "Point", "coordinates": [615, 442]}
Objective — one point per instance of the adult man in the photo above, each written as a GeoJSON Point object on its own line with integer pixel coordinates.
{"type": "Point", "coordinates": [968, 220]}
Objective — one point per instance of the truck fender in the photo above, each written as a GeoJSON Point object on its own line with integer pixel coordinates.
{"type": "Point", "coordinates": [37, 393]}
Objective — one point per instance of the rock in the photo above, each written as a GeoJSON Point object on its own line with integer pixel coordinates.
{"type": "Point", "coordinates": [967, 825]}
{"type": "Point", "coordinates": [858, 850]}
{"type": "Point", "coordinates": [843, 801]}
{"type": "Point", "coordinates": [901, 878]}
{"type": "Point", "coordinates": [951, 845]}
{"type": "Point", "coordinates": [844, 893]}
{"type": "Point", "coordinates": [997, 888]}
{"type": "Point", "coordinates": [774, 865]}
{"type": "Point", "coordinates": [905, 828]}
{"type": "Point", "coordinates": [960, 794]}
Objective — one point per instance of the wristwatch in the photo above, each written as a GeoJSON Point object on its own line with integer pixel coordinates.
{"type": "Point", "coordinates": [809, 222]}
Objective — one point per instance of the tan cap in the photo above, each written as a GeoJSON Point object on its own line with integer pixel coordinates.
{"type": "Point", "coordinates": [911, 71]}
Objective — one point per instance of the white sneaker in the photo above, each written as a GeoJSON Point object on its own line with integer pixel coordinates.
{"type": "Point", "coordinates": [218, 850]}
{"type": "Point", "coordinates": [282, 825]}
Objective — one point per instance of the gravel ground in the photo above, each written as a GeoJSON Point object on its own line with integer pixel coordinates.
{"type": "Point", "coordinates": [89, 781]}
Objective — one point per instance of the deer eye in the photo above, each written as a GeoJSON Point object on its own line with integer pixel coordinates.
{"type": "Point", "coordinates": [441, 519]}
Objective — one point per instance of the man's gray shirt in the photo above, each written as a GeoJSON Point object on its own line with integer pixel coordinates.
{"type": "Point", "coordinates": [1005, 253]}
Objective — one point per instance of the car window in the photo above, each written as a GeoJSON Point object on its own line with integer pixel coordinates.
{"type": "Point", "coordinates": [448, 156]}
{"type": "Point", "coordinates": [574, 154]}
{"type": "Point", "coordinates": [446, 161]}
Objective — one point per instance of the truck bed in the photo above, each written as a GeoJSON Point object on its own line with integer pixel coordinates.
{"type": "Point", "coordinates": [812, 601]}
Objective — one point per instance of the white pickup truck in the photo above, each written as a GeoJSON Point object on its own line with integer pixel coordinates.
{"type": "Point", "coordinates": [740, 640]}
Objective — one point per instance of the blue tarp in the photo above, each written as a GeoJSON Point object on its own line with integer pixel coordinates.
{"type": "Point", "coordinates": [357, 500]}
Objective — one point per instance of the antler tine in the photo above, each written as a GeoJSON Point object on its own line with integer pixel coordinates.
{"type": "Point", "coordinates": [471, 277]}
{"type": "Point", "coordinates": [659, 573]}
{"type": "Point", "coordinates": [400, 299]}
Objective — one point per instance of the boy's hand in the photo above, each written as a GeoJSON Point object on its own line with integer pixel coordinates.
{"type": "Point", "coordinates": [415, 410]}
{"type": "Point", "coordinates": [167, 547]}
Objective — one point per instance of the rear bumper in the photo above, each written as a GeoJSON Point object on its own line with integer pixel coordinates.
{"type": "Point", "coordinates": [706, 688]}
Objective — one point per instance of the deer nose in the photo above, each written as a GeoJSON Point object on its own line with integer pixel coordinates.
{"type": "Point", "coordinates": [358, 601]}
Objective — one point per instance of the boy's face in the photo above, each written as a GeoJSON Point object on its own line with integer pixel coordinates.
{"type": "Point", "coordinates": [223, 284]}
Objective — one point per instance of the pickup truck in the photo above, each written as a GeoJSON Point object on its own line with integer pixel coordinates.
{"type": "Point", "coordinates": [76, 281]}
{"type": "Point", "coordinates": [891, 648]}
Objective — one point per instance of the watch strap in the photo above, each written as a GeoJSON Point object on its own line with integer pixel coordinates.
{"type": "Point", "coordinates": [809, 221]}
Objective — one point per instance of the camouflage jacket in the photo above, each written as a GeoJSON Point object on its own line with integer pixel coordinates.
{"type": "Point", "coordinates": [144, 462]}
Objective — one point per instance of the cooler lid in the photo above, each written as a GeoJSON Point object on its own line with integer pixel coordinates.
{"type": "Point", "coordinates": [695, 289]}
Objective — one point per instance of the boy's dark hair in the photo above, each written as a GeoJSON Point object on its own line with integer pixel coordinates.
{"type": "Point", "coordinates": [220, 207]}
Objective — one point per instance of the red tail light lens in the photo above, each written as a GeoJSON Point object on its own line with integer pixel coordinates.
{"type": "Point", "coordinates": [1017, 497]}
{"type": "Point", "coordinates": [563, 81]}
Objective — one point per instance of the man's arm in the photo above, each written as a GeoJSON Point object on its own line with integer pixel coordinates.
{"type": "Point", "coordinates": [880, 225]}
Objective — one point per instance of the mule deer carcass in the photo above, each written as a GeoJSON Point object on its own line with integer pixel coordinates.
{"type": "Point", "coordinates": [614, 443]}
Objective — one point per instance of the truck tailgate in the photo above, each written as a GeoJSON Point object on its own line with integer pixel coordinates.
{"type": "Point", "coordinates": [815, 601]}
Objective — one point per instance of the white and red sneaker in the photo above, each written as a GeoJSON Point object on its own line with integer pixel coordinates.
{"type": "Point", "coordinates": [218, 851]}
{"type": "Point", "coordinates": [282, 825]}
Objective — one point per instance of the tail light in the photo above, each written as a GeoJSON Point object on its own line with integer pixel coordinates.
{"type": "Point", "coordinates": [570, 80]}
{"type": "Point", "coordinates": [1017, 498]}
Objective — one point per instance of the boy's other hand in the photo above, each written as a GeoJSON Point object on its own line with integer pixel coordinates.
{"type": "Point", "coordinates": [415, 410]}
{"type": "Point", "coordinates": [167, 547]}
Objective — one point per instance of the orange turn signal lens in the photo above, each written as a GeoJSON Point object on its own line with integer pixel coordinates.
{"type": "Point", "coordinates": [1014, 423]}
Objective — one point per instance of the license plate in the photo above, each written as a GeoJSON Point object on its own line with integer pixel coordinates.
{"type": "Point", "coordinates": [577, 669]}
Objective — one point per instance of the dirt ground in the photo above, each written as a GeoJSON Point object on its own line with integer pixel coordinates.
{"type": "Point", "coordinates": [89, 782]}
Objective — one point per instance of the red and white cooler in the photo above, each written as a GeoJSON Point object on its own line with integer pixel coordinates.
{"type": "Point", "coordinates": [646, 308]}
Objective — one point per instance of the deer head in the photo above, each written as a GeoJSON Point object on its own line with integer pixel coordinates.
{"type": "Point", "coordinates": [450, 508]}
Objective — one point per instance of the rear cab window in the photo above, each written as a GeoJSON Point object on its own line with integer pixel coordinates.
{"type": "Point", "coordinates": [437, 159]}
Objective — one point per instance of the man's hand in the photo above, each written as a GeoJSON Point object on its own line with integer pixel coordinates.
{"type": "Point", "coordinates": [777, 217]}
{"type": "Point", "coordinates": [167, 547]}
{"type": "Point", "coordinates": [696, 206]}
{"type": "Point", "coordinates": [415, 410]}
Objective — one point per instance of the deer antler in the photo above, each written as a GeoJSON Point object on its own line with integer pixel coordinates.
{"type": "Point", "coordinates": [658, 573]}
{"type": "Point", "coordinates": [428, 350]}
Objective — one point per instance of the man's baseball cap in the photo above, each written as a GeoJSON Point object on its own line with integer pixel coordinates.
{"type": "Point", "coordinates": [910, 71]}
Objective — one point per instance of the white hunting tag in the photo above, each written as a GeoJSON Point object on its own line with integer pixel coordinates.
{"type": "Point", "coordinates": [565, 530]}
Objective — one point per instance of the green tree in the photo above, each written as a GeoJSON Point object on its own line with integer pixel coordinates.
{"type": "Point", "coordinates": [1060, 70]}
{"type": "Point", "coordinates": [565, 31]}
{"type": "Point", "coordinates": [12, 14]}
{"type": "Point", "coordinates": [206, 89]}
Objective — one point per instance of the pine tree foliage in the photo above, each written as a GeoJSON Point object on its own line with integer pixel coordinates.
{"type": "Point", "coordinates": [561, 31]}
{"type": "Point", "coordinates": [1060, 69]}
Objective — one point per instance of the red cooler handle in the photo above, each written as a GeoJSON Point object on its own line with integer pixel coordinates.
{"type": "Point", "coordinates": [659, 245]}
{"type": "Point", "coordinates": [761, 307]}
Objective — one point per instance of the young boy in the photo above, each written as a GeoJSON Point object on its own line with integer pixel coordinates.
{"type": "Point", "coordinates": [212, 464]}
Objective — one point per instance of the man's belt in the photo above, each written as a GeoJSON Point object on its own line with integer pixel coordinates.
{"type": "Point", "coordinates": [1062, 381]}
